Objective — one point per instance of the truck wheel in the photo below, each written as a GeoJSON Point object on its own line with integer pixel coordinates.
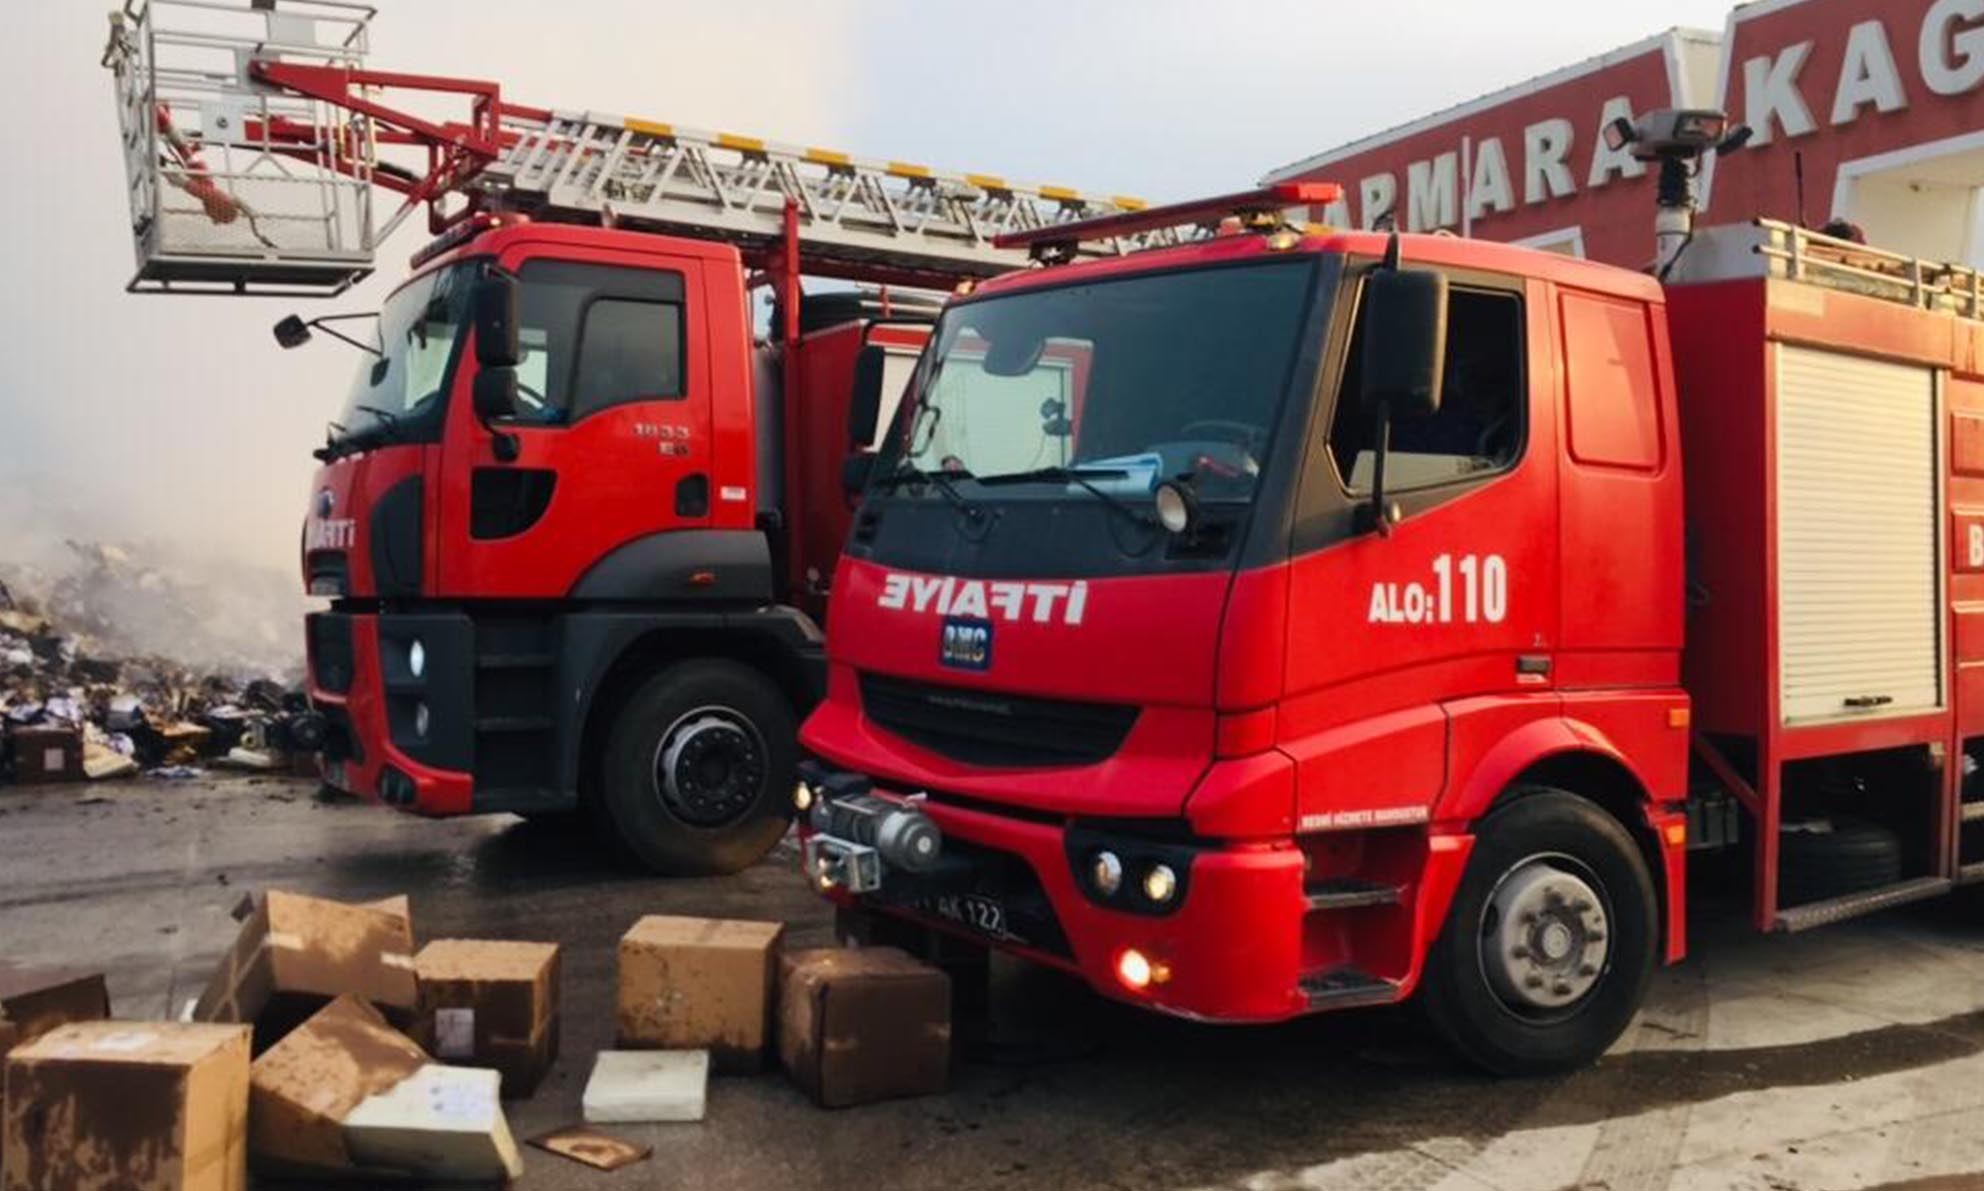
{"type": "Point", "coordinates": [698, 773]}
{"type": "Point", "coordinates": [1549, 944]}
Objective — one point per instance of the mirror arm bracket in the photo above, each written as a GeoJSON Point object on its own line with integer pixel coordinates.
{"type": "Point", "coordinates": [1378, 513]}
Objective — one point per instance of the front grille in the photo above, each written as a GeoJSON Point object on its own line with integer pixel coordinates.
{"type": "Point", "coordinates": [331, 658]}
{"type": "Point", "coordinates": [995, 729]}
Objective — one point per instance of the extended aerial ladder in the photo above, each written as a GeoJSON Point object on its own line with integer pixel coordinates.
{"type": "Point", "coordinates": [255, 138]}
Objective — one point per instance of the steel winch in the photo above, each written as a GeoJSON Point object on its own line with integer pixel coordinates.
{"type": "Point", "coordinates": [858, 834]}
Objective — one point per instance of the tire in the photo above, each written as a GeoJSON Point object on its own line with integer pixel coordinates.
{"type": "Point", "coordinates": [1580, 978]}
{"type": "Point", "coordinates": [1854, 855]}
{"type": "Point", "coordinates": [698, 773]}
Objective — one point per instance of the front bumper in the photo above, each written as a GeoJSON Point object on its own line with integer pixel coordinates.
{"type": "Point", "coordinates": [361, 680]}
{"type": "Point", "coordinates": [1228, 947]}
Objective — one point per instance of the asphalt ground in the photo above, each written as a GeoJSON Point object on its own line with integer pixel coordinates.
{"type": "Point", "coordinates": [1846, 1058]}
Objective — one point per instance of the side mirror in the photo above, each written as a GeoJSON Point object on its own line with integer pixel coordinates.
{"type": "Point", "coordinates": [855, 472]}
{"type": "Point", "coordinates": [864, 399]}
{"type": "Point", "coordinates": [495, 393]}
{"type": "Point", "coordinates": [1405, 340]}
{"type": "Point", "coordinates": [292, 332]}
{"type": "Point", "coordinates": [496, 318]}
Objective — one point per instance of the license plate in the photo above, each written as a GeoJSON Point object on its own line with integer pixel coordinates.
{"type": "Point", "coordinates": [974, 912]}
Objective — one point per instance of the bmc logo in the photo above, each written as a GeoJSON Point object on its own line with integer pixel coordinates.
{"type": "Point", "coordinates": [966, 644]}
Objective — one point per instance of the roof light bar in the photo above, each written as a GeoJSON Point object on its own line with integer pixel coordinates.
{"type": "Point", "coordinates": [1253, 208]}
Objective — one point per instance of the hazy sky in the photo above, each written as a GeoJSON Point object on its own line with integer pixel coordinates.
{"type": "Point", "coordinates": [178, 420]}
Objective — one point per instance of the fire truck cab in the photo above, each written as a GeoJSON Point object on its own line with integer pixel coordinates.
{"type": "Point", "coordinates": [1349, 634]}
{"type": "Point", "coordinates": [551, 522]}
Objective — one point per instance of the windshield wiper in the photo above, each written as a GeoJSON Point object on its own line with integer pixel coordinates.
{"type": "Point", "coordinates": [390, 421]}
{"type": "Point", "coordinates": [1080, 477]}
{"type": "Point", "coordinates": [942, 481]}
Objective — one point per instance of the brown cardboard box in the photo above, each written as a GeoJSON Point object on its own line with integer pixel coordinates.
{"type": "Point", "coordinates": [128, 1106]}
{"type": "Point", "coordinates": [34, 1001]}
{"type": "Point", "coordinates": [46, 753]}
{"type": "Point", "coordinates": [304, 1086]}
{"type": "Point", "coordinates": [857, 1025]}
{"type": "Point", "coordinates": [346, 1094]}
{"type": "Point", "coordinates": [494, 1004]}
{"type": "Point", "coordinates": [294, 953]}
{"type": "Point", "coordinates": [699, 984]}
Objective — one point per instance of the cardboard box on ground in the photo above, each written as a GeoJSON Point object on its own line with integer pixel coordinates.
{"type": "Point", "coordinates": [699, 984]}
{"type": "Point", "coordinates": [493, 1003]}
{"type": "Point", "coordinates": [128, 1106]}
{"type": "Point", "coordinates": [34, 1001]}
{"type": "Point", "coordinates": [295, 953]}
{"type": "Point", "coordinates": [346, 1095]}
{"type": "Point", "coordinates": [859, 1025]}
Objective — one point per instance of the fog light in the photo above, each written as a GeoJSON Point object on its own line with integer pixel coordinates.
{"type": "Point", "coordinates": [420, 721]}
{"type": "Point", "coordinates": [1160, 883]}
{"type": "Point", "coordinates": [1133, 968]}
{"type": "Point", "coordinates": [416, 660]}
{"type": "Point", "coordinates": [802, 797]}
{"type": "Point", "coordinates": [1105, 872]}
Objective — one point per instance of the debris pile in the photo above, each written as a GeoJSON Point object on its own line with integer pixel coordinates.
{"type": "Point", "coordinates": [98, 677]}
{"type": "Point", "coordinates": [325, 1047]}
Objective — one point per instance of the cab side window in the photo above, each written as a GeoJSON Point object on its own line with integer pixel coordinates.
{"type": "Point", "coordinates": [597, 336]}
{"type": "Point", "coordinates": [1483, 403]}
{"type": "Point", "coordinates": [628, 351]}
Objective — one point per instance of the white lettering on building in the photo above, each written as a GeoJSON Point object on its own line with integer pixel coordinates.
{"type": "Point", "coordinates": [1771, 95]}
{"type": "Point", "coordinates": [1441, 190]}
{"type": "Point", "coordinates": [1432, 190]}
{"type": "Point", "coordinates": [1489, 188]}
{"type": "Point", "coordinates": [1545, 144]}
{"type": "Point", "coordinates": [1867, 75]}
{"type": "Point", "coordinates": [1376, 196]}
{"type": "Point", "coordinates": [1952, 59]}
{"type": "Point", "coordinates": [1608, 163]}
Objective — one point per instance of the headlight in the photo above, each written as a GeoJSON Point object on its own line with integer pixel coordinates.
{"type": "Point", "coordinates": [1105, 872]}
{"type": "Point", "coordinates": [802, 797]}
{"type": "Point", "coordinates": [1160, 883]}
{"type": "Point", "coordinates": [420, 722]}
{"type": "Point", "coordinates": [416, 660]}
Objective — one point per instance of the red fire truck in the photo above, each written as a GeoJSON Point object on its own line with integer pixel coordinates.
{"type": "Point", "coordinates": [1283, 622]}
{"type": "Point", "coordinates": [575, 527]}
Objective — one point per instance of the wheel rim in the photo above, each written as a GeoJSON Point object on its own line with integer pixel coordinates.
{"type": "Point", "coordinates": [709, 767]}
{"type": "Point", "coordinates": [1546, 937]}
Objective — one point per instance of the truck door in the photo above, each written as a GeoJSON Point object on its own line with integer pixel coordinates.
{"type": "Point", "coordinates": [1457, 605]}
{"type": "Point", "coordinates": [612, 437]}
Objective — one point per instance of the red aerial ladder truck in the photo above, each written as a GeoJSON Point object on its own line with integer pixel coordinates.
{"type": "Point", "coordinates": [1281, 622]}
{"type": "Point", "coordinates": [575, 529]}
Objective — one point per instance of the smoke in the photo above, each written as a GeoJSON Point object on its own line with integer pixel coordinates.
{"type": "Point", "coordinates": [130, 599]}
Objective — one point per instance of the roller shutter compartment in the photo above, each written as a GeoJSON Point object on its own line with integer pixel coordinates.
{"type": "Point", "coordinates": [1858, 516]}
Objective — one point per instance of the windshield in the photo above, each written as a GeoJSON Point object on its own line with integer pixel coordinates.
{"type": "Point", "coordinates": [1115, 385]}
{"type": "Point", "coordinates": [399, 394]}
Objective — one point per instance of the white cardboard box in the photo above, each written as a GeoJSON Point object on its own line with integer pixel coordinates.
{"type": "Point", "coordinates": [636, 1086]}
{"type": "Point", "coordinates": [442, 1122]}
